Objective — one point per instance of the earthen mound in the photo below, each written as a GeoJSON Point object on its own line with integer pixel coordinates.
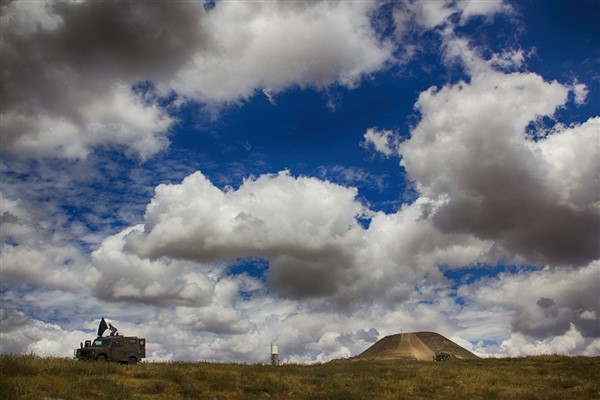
{"type": "Point", "coordinates": [421, 346]}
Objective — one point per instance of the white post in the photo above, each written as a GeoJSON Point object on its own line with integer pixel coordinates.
{"type": "Point", "coordinates": [274, 354]}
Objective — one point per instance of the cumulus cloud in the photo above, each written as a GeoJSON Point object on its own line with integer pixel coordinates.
{"type": "Point", "coordinates": [384, 142]}
{"type": "Point", "coordinates": [31, 254]}
{"type": "Point", "coordinates": [275, 45]}
{"type": "Point", "coordinates": [427, 15]}
{"type": "Point", "coordinates": [593, 349]}
{"type": "Point", "coordinates": [229, 220]}
{"type": "Point", "coordinates": [518, 344]}
{"type": "Point", "coordinates": [61, 266]}
{"type": "Point", "coordinates": [471, 149]}
{"type": "Point", "coordinates": [470, 9]}
{"type": "Point", "coordinates": [67, 75]}
{"type": "Point", "coordinates": [79, 75]}
{"type": "Point", "coordinates": [21, 334]}
{"type": "Point", "coordinates": [303, 226]}
{"type": "Point", "coordinates": [119, 275]}
{"type": "Point", "coordinates": [243, 332]}
{"type": "Point", "coordinates": [580, 92]}
{"type": "Point", "coordinates": [404, 248]}
{"type": "Point", "coordinates": [543, 303]}
{"type": "Point", "coordinates": [308, 231]}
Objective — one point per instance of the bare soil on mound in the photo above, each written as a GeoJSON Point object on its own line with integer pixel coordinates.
{"type": "Point", "coordinates": [420, 346]}
{"type": "Point", "coordinates": [439, 344]}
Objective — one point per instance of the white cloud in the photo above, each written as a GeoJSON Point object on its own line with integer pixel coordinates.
{"type": "Point", "coordinates": [31, 252]}
{"type": "Point", "coordinates": [384, 141]}
{"type": "Point", "coordinates": [231, 328]}
{"type": "Point", "coordinates": [304, 226]}
{"type": "Point", "coordinates": [117, 118]}
{"type": "Point", "coordinates": [69, 68]}
{"type": "Point", "coordinates": [23, 335]}
{"type": "Point", "coordinates": [590, 315]}
{"type": "Point", "coordinates": [303, 206]}
{"type": "Point", "coordinates": [308, 231]}
{"type": "Point", "coordinates": [120, 276]}
{"type": "Point", "coordinates": [543, 303]}
{"type": "Point", "coordinates": [51, 265]}
{"type": "Point", "coordinates": [593, 349]}
{"type": "Point", "coordinates": [470, 147]}
{"type": "Point", "coordinates": [488, 8]}
{"type": "Point", "coordinates": [274, 45]}
{"type": "Point", "coordinates": [580, 91]}
{"type": "Point", "coordinates": [519, 345]}
{"type": "Point", "coordinates": [570, 155]}
{"type": "Point", "coordinates": [429, 15]}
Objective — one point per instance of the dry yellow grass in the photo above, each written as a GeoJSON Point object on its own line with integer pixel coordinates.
{"type": "Point", "coordinates": [546, 377]}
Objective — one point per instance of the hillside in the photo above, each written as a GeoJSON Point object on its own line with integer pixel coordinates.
{"type": "Point", "coordinates": [421, 346]}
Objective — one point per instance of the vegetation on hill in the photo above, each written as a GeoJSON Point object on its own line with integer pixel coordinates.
{"type": "Point", "coordinates": [544, 377]}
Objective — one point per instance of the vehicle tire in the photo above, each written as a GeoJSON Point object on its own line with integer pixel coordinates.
{"type": "Point", "coordinates": [132, 361]}
{"type": "Point", "coordinates": [102, 358]}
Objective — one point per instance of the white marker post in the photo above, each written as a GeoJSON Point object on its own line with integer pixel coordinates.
{"type": "Point", "coordinates": [274, 354]}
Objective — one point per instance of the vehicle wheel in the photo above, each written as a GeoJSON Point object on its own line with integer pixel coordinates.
{"type": "Point", "coordinates": [132, 360]}
{"type": "Point", "coordinates": [102, 358]}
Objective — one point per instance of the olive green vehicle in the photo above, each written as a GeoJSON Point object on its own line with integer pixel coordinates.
{"type": "Point", "coordinates": [122, 349]}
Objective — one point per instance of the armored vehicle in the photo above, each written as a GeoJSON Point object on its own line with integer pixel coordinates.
{"type": "Point", "coordinates": [116, 347]}
{"type": "Point", "coordinates": [123, 349]}
{"type": "Point", "coordinates": [442, 357]}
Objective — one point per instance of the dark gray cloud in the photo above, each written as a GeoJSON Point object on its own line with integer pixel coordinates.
{"type": "Point", "coordinates": [545, 302]}
{"type": "Point", "coordinates": [67, 69]}
{"type": "Point", "coordinates": [325, 276]}
{"type": "Point", "coordinates": [132, 40]}
{"type": "Point", "coordinates": [509, 205]}
{"type": "Point", "coordinates": [94, 45]}
{"type": "Point", "coordinates": [370, 336]}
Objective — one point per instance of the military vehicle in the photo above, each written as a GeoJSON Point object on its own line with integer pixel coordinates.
{"type": "Point", "coordinates": [118, 348]}
{"type": "Point", "coordinates": [123, 349]}
{"type": "Point", "coordinates": [443, 357]}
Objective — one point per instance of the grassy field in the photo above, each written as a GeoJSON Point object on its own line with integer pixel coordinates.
{"type": "Point", "coordinates": [544, 377]}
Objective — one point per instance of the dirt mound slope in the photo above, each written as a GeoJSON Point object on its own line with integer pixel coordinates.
{"type": "Point", "coordinates": [421, 346]}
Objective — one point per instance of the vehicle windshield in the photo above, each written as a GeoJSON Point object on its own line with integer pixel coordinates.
{"type": "Point", "coordinates": [101, 342]}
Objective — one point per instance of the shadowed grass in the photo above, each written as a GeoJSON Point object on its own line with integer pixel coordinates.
{"type": "Point", "coordinates": [545, 377]}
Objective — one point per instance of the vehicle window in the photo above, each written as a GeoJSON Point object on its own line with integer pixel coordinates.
{"type": "Point", "coordinates": [132, 341]}
{"type": "Point", "coordinates": [101, 342]}
{"type": "Point", "coordinates": [117, 343]}
{"type": "Point", "coordinates": [142, 342]}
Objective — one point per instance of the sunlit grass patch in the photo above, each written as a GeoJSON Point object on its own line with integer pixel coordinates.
{"type": "Point", "coordinates": [546, 377]}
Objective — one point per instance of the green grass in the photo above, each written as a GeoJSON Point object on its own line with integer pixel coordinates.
{"type": "Point", "coordinates": [544, 377]}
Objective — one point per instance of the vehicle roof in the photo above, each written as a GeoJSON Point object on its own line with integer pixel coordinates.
{"type": "Point", "coordinates": [118, 337]}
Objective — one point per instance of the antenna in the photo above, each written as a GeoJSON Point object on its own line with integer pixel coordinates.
{"type": "Point", "coordinates": [274, 354]}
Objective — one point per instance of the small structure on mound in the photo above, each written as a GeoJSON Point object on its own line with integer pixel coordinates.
{"type": "Point", "coordinates": [421, 346]}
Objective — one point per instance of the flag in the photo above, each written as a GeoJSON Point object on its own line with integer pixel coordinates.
{"type": "Point", "coordinates": [102, 327]}
{"type": "Point", "coordinates": [112, 328]}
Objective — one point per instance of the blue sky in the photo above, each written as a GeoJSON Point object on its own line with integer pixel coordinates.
{"type": "Point", "coordinates": [313, 174]}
